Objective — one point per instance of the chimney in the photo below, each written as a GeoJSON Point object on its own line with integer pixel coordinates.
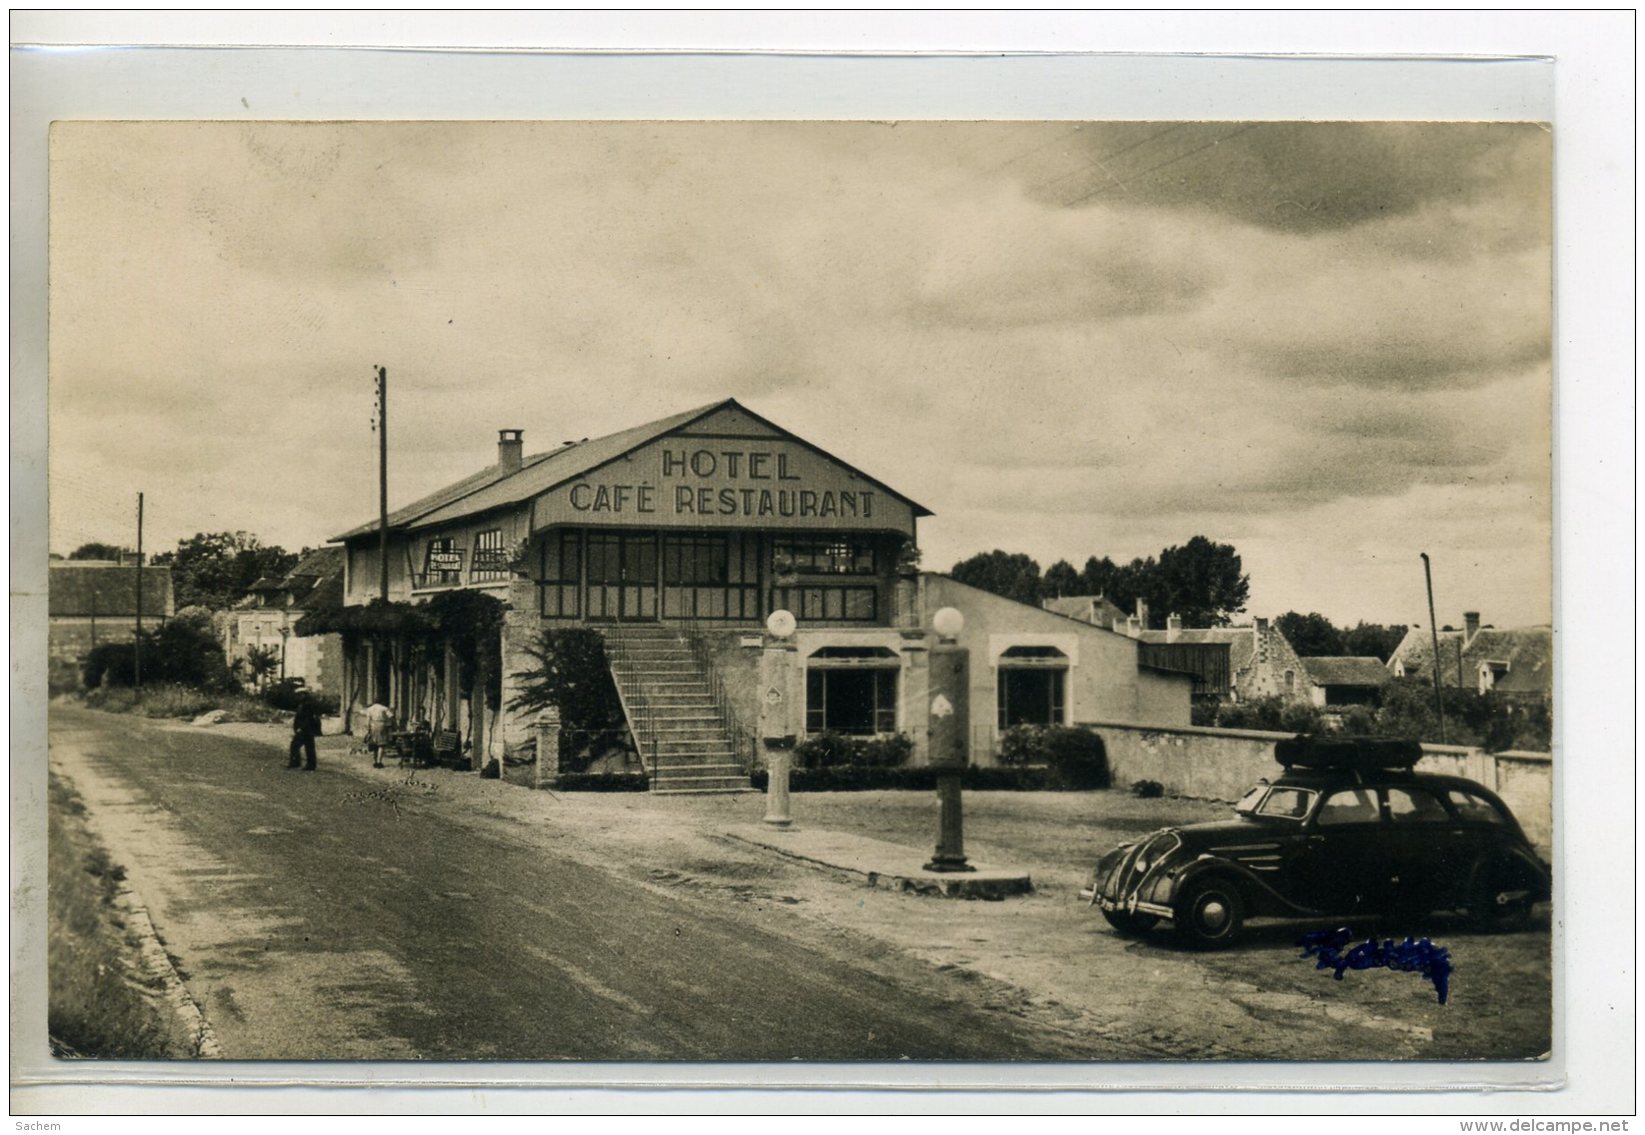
{"type": "Point", "coordinates": [1142, 613]}
{"type": "Point", "coordinates": [1132, 626]}
{"type": "Point", "coordinates": [1470, 623]}
{"type": "Point", "coordinates": [1262, 626]}
{"type": "Point", "coordinates": [1173, 628]}
{"type": "Point", "coordinates": [510, 444]}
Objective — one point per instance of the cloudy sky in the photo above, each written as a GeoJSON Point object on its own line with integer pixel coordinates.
{"type": "Point", "coordinates": [1326, 344]}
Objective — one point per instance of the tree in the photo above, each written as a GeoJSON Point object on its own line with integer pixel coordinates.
{"type": "Point", "coordinates": [261, 663]}
{"type": "Point", "coordinates": [1311, 635]}
{"type": "Point", "coordinates": [1012, 575]}
{"type": "Point", "coordinates": [96, 551]}
{"type": "Point", "coordinates": [1061, 579]}
{"type": "Point", "coordinates": [1201, 581]}
{"type": "Point", "coordinates": [217, 569]}
{"type": "Point", "coordinates": [1373, 640]}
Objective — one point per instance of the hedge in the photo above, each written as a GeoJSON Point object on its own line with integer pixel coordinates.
{"type": "Point", "coordinates": [868, 778]}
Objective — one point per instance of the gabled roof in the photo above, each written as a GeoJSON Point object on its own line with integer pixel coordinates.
{"type": "Point", "coordinates": [1345, 670]}
{"type": "Point", "coordinates": [84, 588]}
{"type": "Point", "coordinates": [496, 488]}
{"type": "Point", "coordinates": [1528, 653]}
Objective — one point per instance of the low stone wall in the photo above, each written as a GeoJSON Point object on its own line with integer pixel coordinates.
{"type": "Point", "coordinates": [1220, 764]}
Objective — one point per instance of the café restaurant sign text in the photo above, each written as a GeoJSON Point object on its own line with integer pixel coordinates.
{"type": "Point", "coordinates": [696, 482]}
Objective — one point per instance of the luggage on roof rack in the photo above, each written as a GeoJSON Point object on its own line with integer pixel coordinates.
{"type": "Point", "coordinates": [1359, 753]}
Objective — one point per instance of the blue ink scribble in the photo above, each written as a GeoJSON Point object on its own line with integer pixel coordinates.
{"type": "Point", "coordinates": [1431, 961]}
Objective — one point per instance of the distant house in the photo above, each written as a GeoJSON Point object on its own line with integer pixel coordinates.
{"type": "Point", "coordinates": [1341, 681]}
{"type": "Point", "coordinates": [267, 616]}
{"type": "Point", "coordinates": [91, 602]}
{"type": "Point", "coordinates": [1228, 663]}
{"type": "Point", "coordinates": [1517, 661]}
{"type": "Point", "coordinates": [1094, 609]}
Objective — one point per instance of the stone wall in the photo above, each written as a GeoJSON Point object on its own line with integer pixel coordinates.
{"type": "Point", "coordinates": [1220, 764]}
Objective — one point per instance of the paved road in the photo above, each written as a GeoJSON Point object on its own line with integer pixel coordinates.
{"type": "Point", "coordinates": [314, 917]}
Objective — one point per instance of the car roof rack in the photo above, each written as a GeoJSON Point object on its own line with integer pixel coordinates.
{"type": "Point", "coordinates": [1356, 754]}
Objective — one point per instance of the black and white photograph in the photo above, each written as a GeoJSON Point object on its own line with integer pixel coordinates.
{"type": "Point", "coordinates": [835, 591]}
{"type": "Point", "coordinates": [727, 575]}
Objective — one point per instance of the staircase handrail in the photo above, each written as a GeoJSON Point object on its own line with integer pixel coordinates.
{"type": "Point", "coordinates": [742, 736]}
{"type": "Point", "coordinates": [636, 707]}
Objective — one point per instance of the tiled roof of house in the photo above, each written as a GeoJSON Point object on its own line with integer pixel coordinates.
{"type": "Point", "coordinates": [496, 487]}
{"type": "Point", "coordinates": [83, 588]}
{"type": "Point", "coordinates": [1528, 653]}
{"type": "Point", "coordinates": [1345, 670]}
{"type": "Point", "coordinates": [1093, 609]}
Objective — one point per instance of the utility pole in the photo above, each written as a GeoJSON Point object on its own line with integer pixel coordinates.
{"type": "Point", "coordinates": [137, 641]}
{"type": "Point", "coordinates": [1433, 628]}
{"type": "Point", "coordinates": [382, 480]}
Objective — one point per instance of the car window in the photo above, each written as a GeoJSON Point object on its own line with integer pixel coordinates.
{"type": "Point", "coordinates": [1287, 803]}
{"type": "Point", "coordinates": [1474, 808]}
{"type": "Point", "coordinates": [1414, 806]}
{"type": "Point", "coordinates": [1348, 806]}
{"type": "Point", "coordinates": [1248, 802]}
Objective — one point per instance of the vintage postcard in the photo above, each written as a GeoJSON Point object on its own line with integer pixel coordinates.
{"type": "Point", "coordinates": [1008, 591]}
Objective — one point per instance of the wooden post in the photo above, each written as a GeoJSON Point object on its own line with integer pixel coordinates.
{"type": "Point", "coordinates": [477, 707]}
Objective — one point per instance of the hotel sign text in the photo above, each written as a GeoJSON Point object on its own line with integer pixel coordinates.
{"type": "Point", "coordinates": [695, 482]}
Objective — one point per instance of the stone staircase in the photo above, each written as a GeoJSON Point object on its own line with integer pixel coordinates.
{"type": "Point", "coordinates": [671, 706]}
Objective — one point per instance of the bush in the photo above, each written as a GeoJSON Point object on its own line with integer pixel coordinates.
{"type": "Point", "coordinates": [1023, 745]}
{"type": "Point", "coordinates": [834, 750]}
{"type": "Point", "coordinates": [825, 750]}
{"type": "Point", "coordinates": [1147, 789]}
{"type": "Point", "coordinates": [1077, 757]}
{"type": "Point", "coordinates": [183, 651]}
{"type": "Point", "coordinates": [288, 693]}
{"type": "Point", "coordinates": [885, 752]}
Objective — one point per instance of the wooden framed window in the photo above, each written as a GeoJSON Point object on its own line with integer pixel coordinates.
{"type": "Point", "coordinates": [560, 575]}
{"type": "Point", "coordinates": [490, 562]}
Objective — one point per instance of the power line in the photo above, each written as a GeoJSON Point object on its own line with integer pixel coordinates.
{"type": "Point", "coordinates": [1101, 189]}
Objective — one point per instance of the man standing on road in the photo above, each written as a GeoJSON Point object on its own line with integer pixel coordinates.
{"type": "Point", "coordinates": [305, 726]}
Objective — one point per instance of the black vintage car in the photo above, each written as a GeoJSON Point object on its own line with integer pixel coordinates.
{"type": "Point", "coordinates": [1349, 829]}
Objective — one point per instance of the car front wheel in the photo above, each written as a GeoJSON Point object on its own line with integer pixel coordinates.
{"type": "Point", "coordinates": [1209, 913]}
{"type": "Point", "coordinates": [1130, 925]}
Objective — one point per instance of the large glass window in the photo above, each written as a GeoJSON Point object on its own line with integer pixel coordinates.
{"type": "Point", "coordinates": [710, 577]}
{"type": "Point", "coordinates": [822, 556]}
{"type": "Point", "coordinates": [828, 604]}
{"type": "Point", "coordinates": [846, 691]}
{"type": "Point", "coordinates": [560, 577]}
{"type": "Point", "coordinates": [490, 562]}
{"type": "Point", "coordinates": [1031, 697]}
{"type": "Point", "coordinates": [1031, 686]}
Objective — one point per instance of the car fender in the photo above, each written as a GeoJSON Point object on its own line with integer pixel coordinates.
{"type": "Point", "coordinates": [1532, 869]}
{"type": "Point", "coordinates": [1259, 893]}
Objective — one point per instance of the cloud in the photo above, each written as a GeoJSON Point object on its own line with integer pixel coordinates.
{"type": "Point", "coordinates": [1305, 177]}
